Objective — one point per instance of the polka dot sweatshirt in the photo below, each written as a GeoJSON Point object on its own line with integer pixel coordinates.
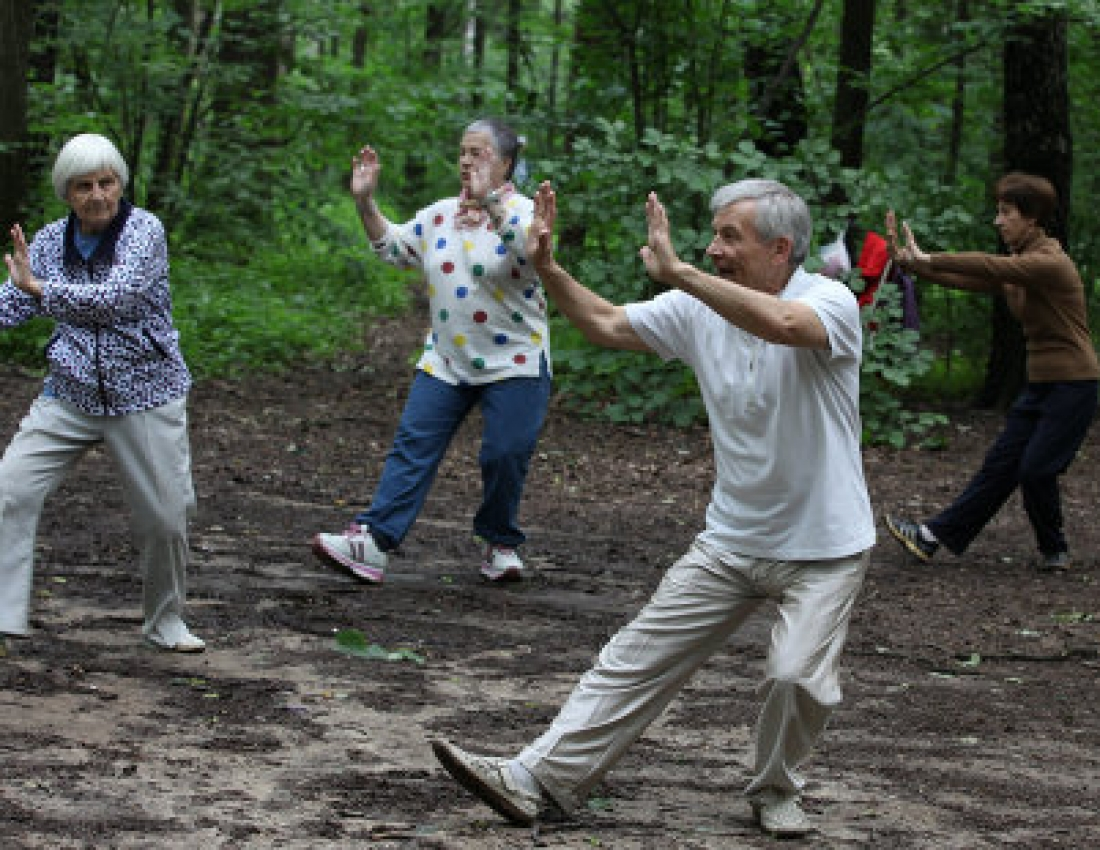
{"type": "Point", "coordinates": [488, 310]}
{"type": "Point", "coordinates": [114, 349]}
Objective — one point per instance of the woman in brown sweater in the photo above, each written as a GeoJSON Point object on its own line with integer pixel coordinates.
{"type": "Point", "coordinates": [1047, 423]}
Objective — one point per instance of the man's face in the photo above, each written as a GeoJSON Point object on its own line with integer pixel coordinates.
{"type": "Point", "coordinates": [739, 254]}
{"type": "Point", "coordinates": [94, 197]}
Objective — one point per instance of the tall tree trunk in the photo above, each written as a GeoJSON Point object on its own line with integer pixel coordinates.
{"type": "Point", "coordinates": [361, 36]}
{"type": "Point", "coordinates": [958, 104]}
{"type": "Point", "coordinates": [552, 83]}
{"type": "Point", "coordinates": [777, 96]}
{"type": "Point", "coordinates": [247, 67]}
{"type": "Point", "coordinates": [513, 42]}
{"type": "Point", "coordinates": [853, 81]}
{"type": "Point", "coordinates": [440, 24]}
{"type": "Point", "coordinates": [176, 125]}
{"type": "Point", "coordinates": [478, 25]}
{"type": "Point", "coordinates": [15, 39]}
{"type": "Point", "coordinates": [1038, 140]}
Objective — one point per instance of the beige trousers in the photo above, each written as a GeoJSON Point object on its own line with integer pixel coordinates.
{"type": "Point", "coordinates": [702, 600]}
{"type": "Point", "coordinates": [153, 457]}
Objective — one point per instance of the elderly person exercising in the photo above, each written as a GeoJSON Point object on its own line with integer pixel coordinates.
{"type": "Point", "coordinates": [487, 346]}
{"type": "Point", "coordinates": [1050, 418]}
{"type": "Point", "coordinates": [776, 351]}
{"type": "Point", "coordinates": [116, 377]}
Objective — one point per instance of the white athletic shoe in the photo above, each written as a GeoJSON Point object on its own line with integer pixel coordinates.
{"type": "Point", "coordinates": [354, 551]}
{"type": "Point", "coordinates": [502, 563]}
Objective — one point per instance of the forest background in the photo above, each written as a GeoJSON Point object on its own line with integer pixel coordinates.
{"type": "Point", "coordinates": [239, 120]}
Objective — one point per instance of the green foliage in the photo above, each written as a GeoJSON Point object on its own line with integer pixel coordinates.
{"type": "Point", "coordinates": [246, 161]}
{"type": "Point", "coordinates": [624, 387]}
{"type": "Point", "coordinates": [25, 345]}
{"type": "Point", "coordinates": [304, 296]}
{"type": "Point", "coordinates": [607, 180]}
{"type": "Point", "coordinates": [892, 360]}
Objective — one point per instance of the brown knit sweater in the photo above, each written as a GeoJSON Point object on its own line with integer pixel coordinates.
{"type": "Point", "coordinates": [1043, 290]}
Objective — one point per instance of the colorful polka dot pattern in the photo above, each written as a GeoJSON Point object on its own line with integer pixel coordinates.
{"type": "Point", "coordinates": [488, 310]}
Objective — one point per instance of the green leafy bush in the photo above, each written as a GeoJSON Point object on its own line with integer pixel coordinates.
{"type": "Point", "coordinates": [304, 295]}
{"type": "Point", "coordinates": [602, 188]}
{"type": "Point", "coordinates": [892, 361]}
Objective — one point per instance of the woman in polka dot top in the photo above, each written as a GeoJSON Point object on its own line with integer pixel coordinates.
{"type": "Point", "coordinates": [487, 346]}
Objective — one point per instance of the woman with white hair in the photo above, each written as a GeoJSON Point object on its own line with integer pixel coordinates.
{"type": "Point", "coordinates": [116, 378]}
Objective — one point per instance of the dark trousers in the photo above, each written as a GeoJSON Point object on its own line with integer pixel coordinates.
{"type": "Point", "coordinates": [512, 412]}
{"type": "Point", "coordinates": [1043, 430]}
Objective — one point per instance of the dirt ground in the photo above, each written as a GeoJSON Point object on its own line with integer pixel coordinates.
{"type": "Point", "coordinates": [972, 710]}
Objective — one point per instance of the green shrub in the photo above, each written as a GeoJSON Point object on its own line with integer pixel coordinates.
{"type": "Point", "coordinates": [304, 295]}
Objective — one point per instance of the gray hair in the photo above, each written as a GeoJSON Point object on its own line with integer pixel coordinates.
{"type": "Point", "coordinates": [779, 212]}
{"type": "Point", "coordinates": [505, 140]}
{"type": "Point", "coordinates": [84, 154]}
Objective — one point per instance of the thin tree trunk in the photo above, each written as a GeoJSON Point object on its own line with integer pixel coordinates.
{"type": "Point", "coordinates": [361, 36]}
{"type": "Point", "coordinates": [958, 105]}
{"type": "Point", "coordinates": [853, 81]}
{"type": "Point", "coordinates": [15, 38]}
{"type": "Point", "coordinates": [552, 83]}
{"type": "Point", "coordinates": [776, 91]}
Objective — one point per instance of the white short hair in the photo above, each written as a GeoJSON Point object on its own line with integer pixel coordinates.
{"type": "Point", "coordinates": [780, 211]}
{"type": "Point", "coordinates": [84, 154]}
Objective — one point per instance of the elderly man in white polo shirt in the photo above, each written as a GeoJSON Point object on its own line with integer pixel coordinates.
{"type": "Point", "coordinates": [776, 351]}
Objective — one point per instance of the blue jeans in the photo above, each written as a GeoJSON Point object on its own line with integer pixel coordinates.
{"type": "Point", "coordinates": [512, 412]}
{"type": "Point", "coordinates": [1043, 430]}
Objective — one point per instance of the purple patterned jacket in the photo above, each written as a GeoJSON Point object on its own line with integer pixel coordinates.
{"type": "Point", "coordinates": [114, 349]}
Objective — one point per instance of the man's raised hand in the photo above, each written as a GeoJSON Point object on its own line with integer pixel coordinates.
{"type": "Point", "coordinates": [658, 254]}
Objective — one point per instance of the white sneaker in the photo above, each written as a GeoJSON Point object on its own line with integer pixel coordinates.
{"type": "Point", "coordinates": [502, 563]}
{"type": "Point", "coordinates": [781, 816]}
{"type": "Point", "coordinates": [354, 550]}
{"type": "Point", "coordinates": [171, 633]}
{"type": "Point", "coordinates": [490, 779]}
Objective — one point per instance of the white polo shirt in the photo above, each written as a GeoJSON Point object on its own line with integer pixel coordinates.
{"type": "Point", "coordinates": [784, 423]}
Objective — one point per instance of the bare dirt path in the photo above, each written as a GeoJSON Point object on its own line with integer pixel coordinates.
{"type": "Point", "coordinates": [972, 712]}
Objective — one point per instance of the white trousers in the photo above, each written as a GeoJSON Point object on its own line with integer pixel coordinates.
{"type": "Point", "coordinates": [701, 601]}
{"type": "Point", "coordinates": [153, 457]}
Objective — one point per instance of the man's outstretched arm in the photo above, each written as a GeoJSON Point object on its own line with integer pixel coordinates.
{"type": "Point", "coordinates": [601, 322]}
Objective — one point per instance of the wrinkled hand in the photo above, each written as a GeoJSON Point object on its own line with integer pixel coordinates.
{"type": "Point", "coordinates": [19, 264]}
{"type": "Point", "coordinates": [910, 252]}
{"type": "Point", "coordinates": [365, 168]}
{"type": "Point", "coordinates": [540, 236]}
{"type": "Point", "coordinates": [658, 254]}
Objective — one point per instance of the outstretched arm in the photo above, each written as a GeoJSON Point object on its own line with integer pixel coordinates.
{"type": "Point", "coordinates": [911, 258]}
{"type": "Point", "coordinates": [601, 322]}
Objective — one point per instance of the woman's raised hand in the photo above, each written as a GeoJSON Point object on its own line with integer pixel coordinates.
{"type": "Point", "coordinates": [19, 264]}
{"type": "Point", "coordinates": [902, 253]}
{"type": "Point", "coordinates": [365, 168]}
